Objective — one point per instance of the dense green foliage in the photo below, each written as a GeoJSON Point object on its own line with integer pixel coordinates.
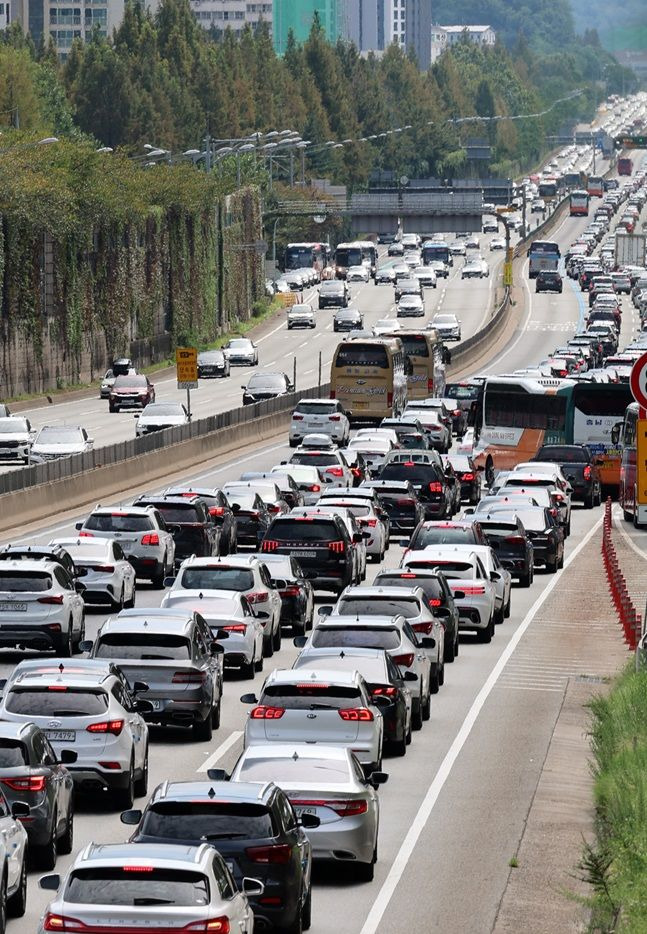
{"type": "Point", "coordinates": [619, 25]}
{"type": "Point", "coordinates": [543, 22]}
{"type": "Point", "coordinates": [617, 865]}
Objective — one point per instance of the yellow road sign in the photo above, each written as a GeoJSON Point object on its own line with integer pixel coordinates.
{"type": "Point", "coordinates": [641, 461]}
{"type": "Point", "coordinates": [186, 362]}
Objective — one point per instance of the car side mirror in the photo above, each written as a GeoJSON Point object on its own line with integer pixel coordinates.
{"type": "Point", "coordinates": [359, 537]}
{"type": "Point", "coordinates": [299, 641]}
{"type": "Point", "coordinates": [459, 595]}
{"type": "Point", "coordinates": [216, 649]}
{"type": "Point", "coordinates": [442, 612]}
{"type": "Point", "coordinates": [261, 614]}
{"type": "Point", "coordinates": [140, 687]}
{"type": "Point", "coordinates": [615, 434]}
{"type": "Point", "coordinates": [378, 778]}
{"type": "Point", "coordinates": [427, 642]}
{"type": "Point", "coordinates": [132, 817]}
{"type": "Point", "coordinates": [480, 468]}
{"type": "Point", "coordinates": [136, 416]}
{"type": "Point", "coordinates": [169, 581]}
{"type": "Point", "coordinates": [68, 757]}
{"type": "Point", "coordinates": [412, 676]}
{"type": "Point", "coordinates": [50, 883]}
{"type": "Point", "coordinates": [78, 526]}
{"type": "Point", "coordinates": [218, 775]}
{"type": "Point", "coordinates": [469, 511]}
{"type": "Point", "coordinates": [3, 683]}
{"type": "Point", "coordinates": [20, 809]}
{"type": "Point", "coordinates": [253, 886]}
{"type": "Point", "coordinates": [309, 821]}
{"type": "Point", "coordinates": [86, 645]}
{"type": "Point", "coordinates": [143, 706]}
{"type": "Point", "coordinates": [79, 587]}
{"type": "Point", "coordinates": [248, 699]}
{"type": "Point", "coordinates": [495, 576]}
{"type": "Point", "coordinates": [279, 584]}
{"type": "Point", "coordinates": [381, 701]}
{"type": "Point", "coordinates": [325, 610]}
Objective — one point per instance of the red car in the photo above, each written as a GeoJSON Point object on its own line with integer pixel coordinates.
{"type": "Point", "coordinates": [130, 392]}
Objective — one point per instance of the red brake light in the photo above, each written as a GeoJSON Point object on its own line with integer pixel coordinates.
{"type": "Point", "coordinates": [435, 601]}
{"type": "Point", "coordinates": [435, 487]}
{"type": "Point", "coordinates": [587, 472]}
{"type": "Point", "coordinates": [315, 488]}
{"type": "Point", "coordinates": [430, 386]}
{"type": "Point", "coordinates": [266, 713]}
{"type": "Point", "coordinates": [467, 477]}
{"type": "Point", "coordinates": [57, 599]}
{"type": "Point", "coordinates": [54, 922]}
{"type": "Point", "coordinates": [81, 535]}
{"type": "Point", "coordinates": [335, 471]}
{"type": "Point", "coordinates": [259, 597]}
{"type": "Point", "coordinates": [152, 538]}
{"type": "Point", "coordinates": [389, 399]}
{"type": "Point", "coordinates": [406, 660]}
{"type": "Point", "coordinates": [138, 868]}
{"type": "Point", "coordinates": [57, 687]}
{"type": "Point", "coordinates": [290, 592]}
{"type": "Point", "coordinates": [362, 714]}
{"type": "Point", "coordinates": [337, 547]}
{"type": "Point", "coordinates": [356, 472]}
{"type": "Point", "coordinates": [334, 418]}
{"type": "Point", "coordinates": [269, 545]}
{"type": "Point", "coordinates": [425, 628]}
{"type": "Point", "coordinates": [514, 539]}
{"type": "Point", "coordinates": [188, 677]}
{"type": "Point", "coordinates": [269, 854]}
{"type": "Point", "coordinates": [32, 783]}
{"type": "Point", "coordinates": [213, 925]}
{"type": "Point", "coordinates": [384, 690]}
{"type": "Point", "coordinates": [456, 412]}
{"type": "Point", "coordinates": [297, 418]}
{"type": "Point", "coordinates": [404, 502]}
{"type": "Point", "coordinates": [108, 568]}
{"type": "Point", "coordinates": [106, 726]}
{"type": "Point", "coordinates": [473, 590]}
{"type": "Point", "coordinates": [273, 507]}
{"type": "Point", "coordinates": [370, 522]}
{"type": "Point", "coordinates": [343, 808]}
{"type": "Point", "coordinates": [308, 685]}
{"type": "Point", "coordinates": [236, 627]}
{"type": "Point", "coordinates": [216, 510]}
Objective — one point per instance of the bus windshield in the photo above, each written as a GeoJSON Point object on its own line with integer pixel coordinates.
{"type": "Point", "coordinates": [346, 256]}
{"type": "Point", "coordinates": [432, 251]}
{"type": "Point", "coordinates": [549, 247]}
{"type": "Point", "coordinates": [299, 255]}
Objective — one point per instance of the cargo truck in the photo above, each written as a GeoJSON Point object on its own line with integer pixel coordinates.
{"type": "Point", "coordinates": [630, 249]}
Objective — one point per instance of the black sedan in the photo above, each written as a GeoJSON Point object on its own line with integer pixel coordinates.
{"type": "Point", "coordinates": [347, 319]}
{"type": "Point", "coordinates": [507, 536]}
{"type": "Point", "coordinates": [266, 385]}
{"type": "Point", "coordinates": [579, 466]}
{"type": "Point", "coordinates": [253, 518]}
{"type": "Point", "coordinates": [546, 536]}
{"type": "Point", "coordinates": [212, 363]}
{"type": "Point", "coordinates": [548, 280]}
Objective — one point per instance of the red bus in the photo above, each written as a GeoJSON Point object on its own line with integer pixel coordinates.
{"type": "Point", "coordinates": [579, 203]}
{"type": "Point", "coordinates": [595, 186]}
{"type": "Point", "coordinates": [625, 166]}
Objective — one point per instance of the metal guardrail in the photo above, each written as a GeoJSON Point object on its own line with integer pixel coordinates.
{"type": "Point", "coordinates": [64, 467]}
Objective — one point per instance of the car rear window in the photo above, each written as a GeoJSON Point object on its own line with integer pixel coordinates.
{"type": "Point", "coordinates": [416, 473]}
{"type": "Point", "coordinates": [132, 886]}
{"type": "Point", "coordinates": [118, 522]}
{"type": "Point", "coordinates": [532, 519]}
{"type": "Point", "coordinates": [13, 754]}
{"type": "Point", "coordinates": [431, 585]}
{"type": "Point", "coordinates": [204, 821]}
{"type": "Point", "coordinates": [563, 454]}
{"type": "Point", "coordinates": [313, 459]}
{"type": "Point", "coordinates": [303, 530]}
{"type": "Point", "coordinates": [309, 695]}
{"type": "Point", "coordinates": [244, 501]}
{"type": "Point", "coordinates": [24, 581]}
{"type": "Point", "coordinates": [415, 345]}
{"type": "Point", "coordinates": [149, 646]}
{"type": "Point", "coordinates": [56, 701]}
{"type": "Point", "coordinates": [459, 391]}
{"type": "Point", "coordinates": [354, 509]}
{"type": "Point", "coordinates": [310, 408]}
{"type": "Point", "coordinates": [179, 514]}
{"type": "Point", "coordinates": [378, 606]}
{"type": "Point", "coordinates": [448, 567]}
{"type": "Point", "coordinates": [446, 536]}
{"type": "Point", "coordinates": [325, 637]}
{"type": "Point", "coordinates": [501, 529]}
{"type": "Point", "coordinates": [216, 577]}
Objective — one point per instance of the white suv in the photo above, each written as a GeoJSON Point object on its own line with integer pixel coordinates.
{"type": "Point", "coordinates": [142, 533]}
{"type": "Point", "coordinates": [323, 416]}
{"type": "Point", "coordinates": [243, 574]}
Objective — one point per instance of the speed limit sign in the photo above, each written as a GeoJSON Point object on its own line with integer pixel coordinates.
{"type": "Point", "coordinates": [638, 381]}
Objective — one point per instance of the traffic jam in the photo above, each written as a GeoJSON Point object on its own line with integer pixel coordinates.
{"type": "Point", "coordinates": [373, 551]}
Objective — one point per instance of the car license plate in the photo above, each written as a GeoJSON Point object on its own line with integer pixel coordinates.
{"type": "Point", "coordinates": [61, 736]}
{"type": "Point", "coordinates": [301, 554]}
{"type": "Point", "coordinates": [8, 607]}
{"type": "Point", "coordinates": [156, 704]}
{"type": "Point", "coordinates": [360, 405]}
{"type": "Point", "coordinates": [299, 810]}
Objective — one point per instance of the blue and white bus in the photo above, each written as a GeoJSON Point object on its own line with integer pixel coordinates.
{"type": "Point", "coordinates": [543, 255]}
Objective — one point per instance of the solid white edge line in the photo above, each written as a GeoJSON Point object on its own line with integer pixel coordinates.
{"type": "Point", "coordinates": [407, 847]}
{"type": "Point", "coordinates": [224, 747]}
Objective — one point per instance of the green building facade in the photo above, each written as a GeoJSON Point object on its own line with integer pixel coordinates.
{"type": "Point", "coordinates": [297, 15]}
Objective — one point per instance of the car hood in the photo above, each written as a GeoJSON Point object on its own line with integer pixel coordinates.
{"type": "Point", "coordinates": [14, 436]}
{"type": "Point", "coordinates": [161, 420]}
{"type": "Point", "coordinates": [70, 448]}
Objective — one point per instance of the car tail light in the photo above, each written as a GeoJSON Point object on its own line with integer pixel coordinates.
{"type": "Point", "coordinates": [389, 399]}
{"type": "Point", "coordinates": [56, 599]}
{"type": "Point", "coordinates": [467, 477]}
{"type": "Point", "coordinates": [235, 627]}
{"type": "Point", "coordinates": [260, 597]}
{"type": "Point", "coordinates": [188, 677]}
{"type": "Point", "coordinates": [106, 726]}
{"type": "Point", "coordinates": [425, 628]}
{"type": "Point", "coordinates": [137, 869]}
{"type": "Point", "coordinates": [314, 488]}
{"type": "Point", "coordinates": [370, 522]}
{"type": "Point", "coordinates": [290, 592]}
{"type": "Point", "coordinates": [406, 660]}
{"type": "Point", "coordinates": [54, 922]}
{"type": "Point", "coordinates": [212, 925]}
{"type": "Point", "coordinates": [384, 690]}
{"type": "Point", "coordinates": [361, 714]}
{"type": "Point", "coordinates": [108, 568]}
{"type": "Point", "coordinates": [266, 713]}
{"type": "Point", "coordinates": [356, 472]}
{"type": "Point", "coordinates": [587, 472]}
{"type": "Point", "coordinates": [32, 783]}
{"type": "Point", "coordinates": [335, 471]}
{"type": "Point", "coordinates": [83, 535]}
{"type": "Point", "coordinates": [216, 510]}
{"type": "Point", "coordinates": [435, 487]}
{"type": "Point", "coordinates": [430, 386]}
{"type": "Point", "coordinates": [456, 412]}
{"type": "Point", "coordinates": [473, 590]}
{"type": "Point", "coordinates": [297, 418]}
{"type": "Point", "coordinates": [273, 507]}
{"type": "Point", "coordinates": [152, 538]}
{"type": "Point", "coordinates": [514, 539]}
{"type": "Point", "coordinates": [279, 854]}
{"type": "Point", "coordinates": [333, 394]}
{"type": "Point", "coordinates": [337, 548]}
{"type": "Point", "coordinates": [343, 808]}
{"type": "Point", "coordinates": [404, 502]}
{"type": "Point", "coordinates": [269, 545]}
{"type": "Point", "coordinates": [334, 418]}
{"type": "Point", "coordinates": [558, 496]}
{"type": "Point", "coordinates": [554, 512]}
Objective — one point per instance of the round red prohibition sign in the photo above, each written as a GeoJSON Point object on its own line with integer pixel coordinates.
{"type": "Point", "coordinates": [638, 381]}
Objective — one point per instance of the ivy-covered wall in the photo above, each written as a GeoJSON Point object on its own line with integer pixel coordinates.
{"type": "Point", "coordinates": [100, 258]}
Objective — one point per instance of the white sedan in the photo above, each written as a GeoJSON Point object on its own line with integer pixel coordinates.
{"type": "Point", "coordinates": [447, 325]}
{"type": "Point", "coordinates": [497, 243]}
{"type": "Point", "coordinates": [104, 570]}
{"type": "Point", "coordinates": [386, 326]}
{"type": "Point", "coordinates": [411, 306]}
{"type": "Point", "coordinates": [358, 274]}
{"type": "Point", "coordinates": [159, 415]}
{"type": "Point", "coordinates": [476, 269]}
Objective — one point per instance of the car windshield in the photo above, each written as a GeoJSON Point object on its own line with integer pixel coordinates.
{"type": "Point", "coordinates": [199, 821]}
{"type": "Point", "coordinates": [56, 701]}
{"type": "Point", "coordinates": [324, 637]}
{"type": "Point", "coordinates": [439, 535]}
{"type": "Point", "coordinates": [216, 577]}
{"type": "Point", "coordinates": [310, 695]}
{"type": "Point", "coordinates": [240, 344]}
{"type": "Point", "coordinates": [266, 381]}
{"type": "Point", "coordinates": [134, 885]}
{"type": "Point", "coordinates": [143, 645]}
{"type": "Point", "coordinates": [10, 426]}
{"type": "Point", "coordinates": [316, 408]}
{"type": "Point", "coordinates": [378, 606]}
{"type": "Point", "coordinates": [294, 769]}
{"type": "Point", "coordinates": [444, 319]}
{"type": "Point", "coordinates": [210, 356]}
{"type": "Point", "coordinates": [24, 581]}
{"type": "Point", "coordinates": [56, 435]}
{"type": "Point", "coordinates": [130, 382]}
{"type": "Point", "coordinates": [118, 522]}
{"type": "Point", "coordinates": [13, 754]}
{"type": "Point", "coordinates": [163, 408]}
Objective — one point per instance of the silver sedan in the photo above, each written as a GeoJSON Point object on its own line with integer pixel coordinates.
{"type": "Point", "coordinates": [103, 570]}
{"type": "Point", "coordinates": [330, 784]}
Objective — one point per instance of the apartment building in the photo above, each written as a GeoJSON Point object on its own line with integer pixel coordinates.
{"type": "Point", "coordinates": [231, 14]}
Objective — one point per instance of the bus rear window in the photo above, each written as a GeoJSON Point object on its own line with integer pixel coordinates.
{"type": "Point", "coordinates": [415, 345]}
{"type": "Point", "coordinates": [610, 400]}
{"type": "Point", "coordinates": [356, 354]}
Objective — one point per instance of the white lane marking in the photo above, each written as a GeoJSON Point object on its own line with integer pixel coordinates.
{"type": "Point", "coordinates": [523, 330]}
{"type": "Point", "coordinates": [231, 740]}
{"type": "Point", "coordinates": [408, 845]}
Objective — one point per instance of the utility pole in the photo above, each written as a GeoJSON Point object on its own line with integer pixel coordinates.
{"type": "Point", "coordinates": [207, 161]}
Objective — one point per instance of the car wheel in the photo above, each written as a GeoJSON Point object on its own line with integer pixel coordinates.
{"type": "Point", "coordinates": [365, 872]}
{"type": "Point", "coordinates": [399, 746]}
{"type": "Point", "coordinates": [215, 715]}
{"type": "Point", "coordinates": [258, 664]}
{"type": "Point", "coordinates": [66, 645]}
{"type": "Point", "coordinates": [125, 796]}
{"type": "Point", "coordinates": [551, 566]}
{"type": "Point", "coordinates": [248, 668]}
{"type": "Point", "coordinates": [47, 854]}
{"type": "Point", "coordinates": [129, 604]}
{"type": "Point", "coordinates": [277, 639]}
{"type": "Point", "coordinates": [588, 501]}
{"type": "Point", "coordinates": [17, 904]}
{"type": "Point", "coordinates": [112, 408]}
{"type": "Point", "coordinates": [449, 653]}
{"type": "Point", "coordinates": [157, 580]}
{"type": "Point", "coordinates": [416, 716]}
{"type": "Point", "coordinates": [426, 707]}
{"type": "Point", "coordinates": [485, 635]}
{"type": "Point", "coordinates": [119, 604]}
{"type": "Point", "coordinates": [506, 612]}
{"type": "Point", "coordinates": [66, 842]}
{"type": "Point", "coordinates": [141, 784]}
{"type": "Point", "coordinates": [268, 646]}
{"type": "Point", "coordinates": [434, 681]}
{"type": "Point", "coordinates": [202, 730]}
{"type": "Point", "coordinates": [441, 673]}
{"type": "Point", "coordinates": [3, 906]}
{"type": "Point", "coordinates": [525, 580]}
{"type": "Point", "coordinates": [560, 563]}
{"type": "Point", "coordinates": [306, 912]}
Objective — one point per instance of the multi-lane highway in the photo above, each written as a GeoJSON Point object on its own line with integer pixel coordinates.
{"type": "Point", "coordinates": [454, 808]}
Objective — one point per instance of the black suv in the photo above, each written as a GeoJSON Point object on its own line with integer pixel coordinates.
{"type": "Point", "coordinates": [507, 536]}
{"type": "Point", "coordinates": [255, 830]}
{"type": "Point", "coordinates": [219, 510]}
{"type": "Point", "coordinates": [548, 280]}
{"type": "Point", "coordinates": [579, 466]}
{"type": "Point", "coordinates": [430, 484]}
{"type": "Point", "coordinates": [188, 519]}
{"type": "Point", "coordinates": [321, 544]}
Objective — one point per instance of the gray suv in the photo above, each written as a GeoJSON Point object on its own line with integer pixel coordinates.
{"type": "Point", "coordinates": [334, 293]}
